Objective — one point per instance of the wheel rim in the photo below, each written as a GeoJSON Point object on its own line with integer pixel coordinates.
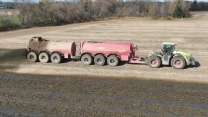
{"type": "Point", "coordinates": [178, 63]}
{"type": "Point", "coordinates": [154, 62]}
{"type": "Point", "coordinates": [31, 57]}
{"type": "Point", "coordinates": [43, 57]}
{"type": "Point", "coordinates": [55, 58]}
{"type": "Point", "coordinates": [112, 60]}
{"type": "Point", "coordinates": [99, 60]}
{"type": "Point", "coordinates": [86, 60]}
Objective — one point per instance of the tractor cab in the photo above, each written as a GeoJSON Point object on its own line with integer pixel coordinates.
{"type": "Point", "coordinates": [168, 48]}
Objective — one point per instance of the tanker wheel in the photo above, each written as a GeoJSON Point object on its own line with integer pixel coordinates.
{"type": "Point", "coordinates": [32, 56]}
{"type": "Point", "coordinates": [86, 59]}
{"type": "Point", "coordinates": [113, 60]}
{"type": "Point", "coordinates": [154, 62]}
{"type": "Point", "coordinates": [56, 58]}
{"type": "Point", "coordinates": [43, 57]}
{"type": "Point", "coordinates": [178, 62]}
{"type": "Point", "coordinates": [99, 60]}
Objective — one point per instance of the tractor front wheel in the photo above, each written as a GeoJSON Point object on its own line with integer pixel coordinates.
{"type": "Point", "coordinates": [154, 62]}
{"type": "Point", "coordinates": [178, 62]}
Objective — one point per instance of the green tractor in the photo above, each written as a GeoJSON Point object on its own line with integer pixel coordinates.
{"type": "Point", "coordinates": [169, 56]}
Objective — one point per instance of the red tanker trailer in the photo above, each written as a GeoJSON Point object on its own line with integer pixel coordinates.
{"type": "Point", "coordinates": [45, 50]}
{"type": "Point", "coordinates": [90, 51]}
{"type": "Point", "coordinates": [112, 52]}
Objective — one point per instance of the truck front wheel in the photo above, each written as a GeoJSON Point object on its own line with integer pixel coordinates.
{"type": "Point", "coordinates": [154, 61]}
{"type": "Point", "coordinates": [32, 56]}
{"type": "Point", "coordinates": [86, 59]}
{"type": "Point", "coordinates": [56, 58]}
{"type": "Point", "coordinates": [178, 62]}
{"type": "Point", "coordinates": [113, 60]}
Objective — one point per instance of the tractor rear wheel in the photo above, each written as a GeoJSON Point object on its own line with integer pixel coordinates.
{"type": "Point", "coordinates": [154, 62]}
{"type": "Point", "coordinates": [86, 59]}
{"type": "Point", "coordinates": [56, 58]}
{"type": "Point", "coordinates": [99, 60]}
{"type": "Point", "coordinates": [178, 62]}
{"type": "Point", "coordinates": [43, 57]}
{"type": "Point", "coordinates": [32, 56]}
{"type": "Point", "coordinates": [113, 60]}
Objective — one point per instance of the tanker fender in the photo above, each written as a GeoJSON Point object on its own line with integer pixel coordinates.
{"type": "Point", "coordinates": [112, 54]}
{"type": "Point", "coordinates": [29, 50]}
{"type": "Point", "coordinates": [57, 52]}
{"type": "Point", "coordinates": [101, 54]}
{"type": "Point", "coordinates": [86, 53]}
{"type": "Point", "coordinates": [44, 51]}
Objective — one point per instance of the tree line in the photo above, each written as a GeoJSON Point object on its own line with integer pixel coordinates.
{"type": "Point", "coordinates": [199, 6]}
{"type": "Point", "coordinates": [49, 12]}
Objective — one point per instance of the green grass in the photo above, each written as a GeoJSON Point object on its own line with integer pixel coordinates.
{"type": "Point", "coordinates": [10, 20]}
{"type": "Point", "coordinates": [15, 20]}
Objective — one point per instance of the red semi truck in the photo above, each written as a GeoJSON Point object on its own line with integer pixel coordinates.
{"type": "Point", "coordinates": [90, 51]}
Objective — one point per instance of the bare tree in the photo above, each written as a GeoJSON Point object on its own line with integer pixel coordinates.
{"type": "Point", "coordinates": [185, 8]}
{"type": "Point", "coordinates": [154, 9]}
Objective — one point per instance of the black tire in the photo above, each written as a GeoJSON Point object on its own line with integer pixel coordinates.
{"type": "Point", "coordinates": [99, 60]}
{"type": "Point", "coordinates": [112, 60]}
{"type": "Point", "coordinates": [56, 58]}
{"type": "Point", "coordinates": [43, 57]}
{"type": "Point", "coordinates": [86, 59]}
{"type": "Point", "coordinates": [32, 56]}
{"type": "Point", "coordinates": [178, 62]}
{"type": "Point", "coordinates": [154, 61]}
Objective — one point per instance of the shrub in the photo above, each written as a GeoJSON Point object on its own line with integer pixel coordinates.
{"type": "Point", "coordinates": [9, 22]}
{"type": "Point", "coordinates": [177, 13]}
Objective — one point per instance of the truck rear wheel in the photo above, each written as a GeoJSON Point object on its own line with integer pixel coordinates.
{"type": "Point", "coordinates": [86, 59]}
{"type": "Point", "coordinates": [56, 58]}
{"type": "Point", "coordinates": [32, 56]}
{"type": "Point", "coordinates": [99, 60]}
{"type": "Point", "coordinates": [178, 62]}
{"type": "Point", "coordinates": [154, 62]}
{"type": "Point", "coordinates": [113, 60]}
{"type": "Point", "coordinates": [43, 57]}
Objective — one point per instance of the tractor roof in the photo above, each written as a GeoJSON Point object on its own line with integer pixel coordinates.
{"type": "Point", "coordinates": [169, 43]}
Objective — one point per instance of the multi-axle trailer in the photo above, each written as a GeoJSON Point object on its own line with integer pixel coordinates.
{"type": "Point", "coordinates": [102, 52]}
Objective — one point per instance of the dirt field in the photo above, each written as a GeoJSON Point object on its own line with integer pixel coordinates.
{"type": "Point", "coordinates": [24, 95]}
{"type": "Point", "coordinates": [37, 89]}
{"type": "Point", "coordinates": [191, 35]}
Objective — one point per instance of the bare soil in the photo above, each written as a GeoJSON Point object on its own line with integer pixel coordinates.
{"type": "Point", "coordinates": [37, 89]}
{"type": "Point", "coordinates": [190, 35]}
{"type": "Point", "coordinates": [24, 95]}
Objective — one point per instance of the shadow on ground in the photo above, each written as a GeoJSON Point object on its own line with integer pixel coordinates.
{"type": "Point", "coordinates": [11, 58]}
